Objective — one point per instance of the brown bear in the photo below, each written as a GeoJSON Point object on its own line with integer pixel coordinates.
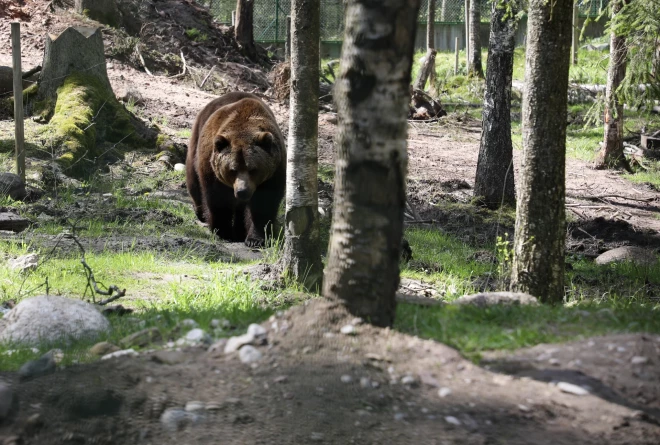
{"type": "Point", "coordinates": [236, 167]}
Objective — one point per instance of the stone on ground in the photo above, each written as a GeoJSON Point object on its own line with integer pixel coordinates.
{"type": "Point", "coordinates": [24, 263]}
{"type": "Point", "coordinates": [12, 186]}
{"type": "Point", "coordinates": [636, 255]}
{"type": "Point", "coordinates": [52, 319]}
{"type": "Point", "coordinates": [492, 298]}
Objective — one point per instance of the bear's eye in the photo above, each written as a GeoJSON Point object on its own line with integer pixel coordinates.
{"type": "Point", "coordinates": [233, 171]}
{"type": "Point", "coordinates": [264, 140]}
{"type": "Point", "coordinates": [221, 143]}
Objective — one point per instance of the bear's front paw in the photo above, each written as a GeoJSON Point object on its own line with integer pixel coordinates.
{"type": "Point", "coordinates": [253, 241]}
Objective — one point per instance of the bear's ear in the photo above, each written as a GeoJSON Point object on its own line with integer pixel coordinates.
{"type": "Point", "coordinates": [220, 142]}
{"type": "Point", "coordinates": [265, 140]}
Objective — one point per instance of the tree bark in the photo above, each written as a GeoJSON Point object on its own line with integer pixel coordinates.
{"type": "Point", "coordinates": [611, 152]}
{"type": "Point", "coordinates": [426, 69]}
{"type": "Point", "coordinates": [494, 180]}
{"type": "Point", "coordinates": [244, 29]}
{"type": "Point", "coordinates": [430, 25]}
{"type": "Point", "coordinates": [475, 69]}
{"type": "Point", "coordinates": [538, 261]}
{"type": "Point", "coordinates": [365, 243]}
{"type": "Point", "coordinates": [103, 11]}
{"type": "Point", "coordinates": [302, 256]}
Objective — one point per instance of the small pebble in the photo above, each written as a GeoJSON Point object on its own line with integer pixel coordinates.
{"type": "Point", "coordinates": [346, 378]}
{"type": "Point", "coordinates": [408, 380]}
{"type": "Point", "coordinates": [249, 354]}
{"type": "Point", "coordinates": [639, 360]}
{"type": "Point", "coordinates": [256, 330]}
{"type": "Point", "coordinates": [570, 388]}
{"type": "Point", "coordinates": [44, 365]}
{"type": "Point", "coordinates": [281, 379]}
{"type": "Point", "coordinates": [195, 406]}
{"type": "Point", "coordinates": [444, 392]}
{"type": "Point", "coordinates": [213, 406]}
{"type": "Point", "coordinates": [122, 353]}
{"type": "Point", "coordinates": [399, 416]}
{"type": "Point", "coordinates": [524, 408]}
{"type": "Point", "coordinates": [317, 437]}
{"type": "Point", "coordinates": [348, 329]}
{"type": "Point", "coordinates": [453, 420]}
{"type": "Point", "coordinates": [365, 382]}
{"type": "Point", "coordinates": [6, 400]}
{"type": "Point", "coordinates": [179, 167]}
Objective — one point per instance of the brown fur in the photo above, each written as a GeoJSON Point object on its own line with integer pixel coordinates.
{"type": "Point", "coordinates": [236, 167]}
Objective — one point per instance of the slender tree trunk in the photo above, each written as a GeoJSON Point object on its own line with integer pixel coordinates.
{"type": "Point", "coordinates": [302, 257]}
{"type": "Point", "coordinates": [443, 11]}
{"type": "Point", "coordinates": [244, 30]}
{"type": "Point", "coordinates": [494, 180]}
{"type": "Point", "coordinates": [475, 69]}
{"type": "Point", "coordinates": [430, 43]}
{"type": "Point", "coordinates": [467, 32]}
{"type": "Point", "coordinates": [365, 243]}
{"type": "Point", "coordinates": [611, 152]}
{"type": "Point", "coordinates": [538, 259]}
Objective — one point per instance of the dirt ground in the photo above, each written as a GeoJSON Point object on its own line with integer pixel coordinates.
{"type": "Point", "coordinates": [316, 385]}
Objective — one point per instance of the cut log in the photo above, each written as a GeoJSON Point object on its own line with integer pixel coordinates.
{"type": "Point", "coordinates": [425, 70]}
{"type": "Point", "coordinates": [78, 49]}
{"type": "Point", "coordinates": [13, 222]}
{"type": "Point", "coordinates": [650, 142]}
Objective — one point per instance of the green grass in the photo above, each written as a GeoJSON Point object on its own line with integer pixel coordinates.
{"type": "Point", "coordinates": [472, 330]}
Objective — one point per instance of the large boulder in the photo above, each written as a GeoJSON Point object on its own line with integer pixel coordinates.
{"type": "Point", "coordinates": [636, 255]}
{"type": "Point", "coordinates": [51, 319]}
{"type": "Point", "coordinates": [12, 186]}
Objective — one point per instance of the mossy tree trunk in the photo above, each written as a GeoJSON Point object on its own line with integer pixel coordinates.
{"type": "Point", "coordinates": [475, 69]}
{"type": "Point", "coordinates": [367, 225]}
{"type": "Point", "coordinates": [538, 260]}
{"type": "Point", "coordinates": [494, 182]}
{"type": "Point", "coordinates": [302, 255]}
{"type": "Point", "coordinates": [611, 152]}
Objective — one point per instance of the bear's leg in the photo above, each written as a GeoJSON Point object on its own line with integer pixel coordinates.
{"type": "Point", "coordinates": [261, 212]}
{"type": "Point", "coordinates": [195, 191]}
{"type": "Point", "coordinates": [219, 210]}
{"type": "Point", "coordinates": [240, 231]}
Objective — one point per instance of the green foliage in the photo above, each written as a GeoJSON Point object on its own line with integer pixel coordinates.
{"type": "Point", "coordinates": [196, 35]}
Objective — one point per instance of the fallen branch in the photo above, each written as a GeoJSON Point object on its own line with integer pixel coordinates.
{"type": "Point", "coordinates": [207, 77]}
{"type": "Point", "coordinates": [31, 72]}
{"type": "Point", "coordinates": [144, 65]}
{"type": "Point", "coordinates": [609, 195]}
{"type": "Point", "coordinates": [185, 67]}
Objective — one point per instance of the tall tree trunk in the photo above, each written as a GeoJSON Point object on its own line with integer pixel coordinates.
{"type": "Point", "coordinates": [494, 180]}
{"type": "Point", "coordinates": [443, 11]}
{"type": "Point", "coordinates": [467, 32]}
{"type": "Point", "coordinates": [244, 29]}
{"type": "Point", "coordinates": [430, 43]}
{"type": "Point", "coordinates": [475, 68]}
{"type": "Point", "coordinates": [302, 257]}
{"type": "Point", "coordinates": [611, 152]}
{"type": "Point", "coordinates": [365, 243]}
{"type": "Point", "coordinates": [538, 259]}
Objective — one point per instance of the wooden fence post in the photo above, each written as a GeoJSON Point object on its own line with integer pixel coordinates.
{"type": "Point", "coordinates": [18, 99]}
{"type": "Point", "coordinates": [287, 45]}
{"type": "Point", "coordinates": [576, 32]}
{"type": "Point", "coordinates": [456, 56]}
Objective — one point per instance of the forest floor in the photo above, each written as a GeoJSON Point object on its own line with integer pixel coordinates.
{"type": "Point", "coordinates": [442, 375]}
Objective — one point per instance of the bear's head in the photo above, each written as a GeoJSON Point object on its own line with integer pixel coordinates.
{"type": "Point", "coordinates": [247, 149]}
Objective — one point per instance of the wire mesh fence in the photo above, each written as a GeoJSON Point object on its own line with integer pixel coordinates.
{"type": "Point", "coordinates": [270, 15]}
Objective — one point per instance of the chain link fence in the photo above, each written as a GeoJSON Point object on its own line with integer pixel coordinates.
{"type": "Point", "coordinates": [270, 15]}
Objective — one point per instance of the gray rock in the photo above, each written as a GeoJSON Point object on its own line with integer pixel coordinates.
{"type": "Point", "coordinates": [189, 323]}
{"type": "Point", "coordinates": [6, 400]}
{"type": "Point", "coordinates": [197, 336]}
{"type": "Point", "coordinates": [103, 348]}
{"type": "Point", "coordinates": [636, 255]}
{"type": "Point", "coordinates": [194, 406]}
{"type": "Point", "coordinates": [452, 420]}
{"type": "Point", "coordinates": [348, 329]}
{"type": "Point", "coordinates": [142, 338]}
{"type": "Point", "coordinates": [492, 298]}
{"type": "Point", "coordinates": [346, 378]}
{"type": "Point", "coordinates": [639, 360]}
{"type": "Point", "coordinates": [44, 365]}
{"type": "Point", "coordinates": [169, 357]}
{"type": "Point", "coordinates": [218, 346]}
{"type": "Point", "coordinates": [179, 167]}
{"type": "Point", "coordinates": [256, 330]}
{"type": "Point", "coordinates": [122, 353]}
{"type": "Point", "coordinates": [249, 354]}
{"type": "Point", "coordinates": [12, 186]}
{"type": "Point", "coordinates": [236, 343]}
{"type": "Point", "coordinates": [24, 263]}
{"type": "Point", "coordinates": [444, 392]}
{"type": "Point", "coordinates": [570, 388]}
{"type": "Point", "coordinates": [52, 319]}
{"type": "Point", "coordinates": [176, 419]}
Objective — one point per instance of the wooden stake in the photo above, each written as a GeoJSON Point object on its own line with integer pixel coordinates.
{"type": "Point", "coordinates": [18, 99]}
{"type": "Point", "coordinates": [576, 33]}
{"type": "Point", "coordinates": [456, 58]}
{"type": "Point", "coordinates": [233, 18]}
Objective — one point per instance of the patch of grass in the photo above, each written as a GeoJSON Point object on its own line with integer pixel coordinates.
{"type": "Point", "coordinates": [185, 133]}
{"type": "Point", "coordinates": [196, 35]}
{"type": "Point", "coordinates": [473, 330]}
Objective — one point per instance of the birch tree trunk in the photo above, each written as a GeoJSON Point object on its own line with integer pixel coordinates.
{"type": "Point", "coordinates": [538, 260]}
{"type": "Point", "coordinates": [611, 152]}
{"type": "Point", "coordinates": [367, 225]}
{"type": "Point", "coordinates": [302, 257]}
{"type": "Point", "coordinates": [494, 180]}
{"type": "Point", "coordinates": [475, 69]}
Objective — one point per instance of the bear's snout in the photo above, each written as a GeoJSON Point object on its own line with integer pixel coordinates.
{"type": "Point", "coordinates": [242, 189]}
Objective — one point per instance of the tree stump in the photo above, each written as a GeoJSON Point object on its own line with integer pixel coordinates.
{"type": "Point", "coordinates": [103, 11]}
{"type": "Point", "coordinates": [77, 49]}
{"type": "Point", "coordinates": [426, 69]}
